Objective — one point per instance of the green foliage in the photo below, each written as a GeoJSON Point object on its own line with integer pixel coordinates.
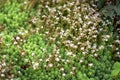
{"type": "Point", "coordinates": [111, 10]}
{"type": "Point", "coordinates": [116, 69]}
{"type": "Point", "coordinates": [81, 76]}
{"type": "Point", "coordinates": [64, 41]}
{"type": "Point", "coordinates": [35, 44]}
{"type": "Point", "coordinates": [11, 15]}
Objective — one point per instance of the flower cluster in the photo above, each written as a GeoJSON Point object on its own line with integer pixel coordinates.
{"type": "Point", "coordinates": [77, 27]}
{"type": "Point", "coordinates": [63, 39]}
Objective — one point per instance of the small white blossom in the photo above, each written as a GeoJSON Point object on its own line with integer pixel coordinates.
{"type": "Point", "coordinates": [90, 64]}
{"type": "Point", "coordinates": [2, 75]}
{"type": "Point", "coordinates": [82, 48]}
{"type": "Point", "coordinates": [50, 65]}
{"type": "Point", "coordinates": [22, 53]}
{"type": "Point", "coordinates": [73, 68]}
{"type": "Point", "coordinates": [95, 55]}
{"type": "Point", "coordinates": [4, 64]}
{"type": "Point", "coordinates": [117, 49]}
{"type": "Point", "coordinates": [62, 69]}
{"type": "Point", "coordinates": [63, 74]}
{"type": "Point", "coordinates": [81, 60]}
{"type": "Point", "coordinates": [3, 70]}
{"type": "Point", "coordinates": [25, 2]}
{"type": "Point", "coordinates": [71, 72]}
{"type": "Point", "coordinates": [57, 59]}
{"type": "Point", "coordinates": [118, 53]}
{"type": "Point", "coordinates": [86, 17]}
{"type": "Point", "coordinates": [69, 53]}
{"type": "Point", "coordinates": [26, 60]}
{"type": "Point", "coordinates": [35, 65]}
{"type": "Point", "coordinates": [33, 54]}
{"type": "Point", "coordinates": [47, 59]}
{"type": "Point", "coordinates": [41, 60]}
{"type": "Point", "coordinates": [17, 38]}
{"type": "Point", "coordinates": [67, 60]}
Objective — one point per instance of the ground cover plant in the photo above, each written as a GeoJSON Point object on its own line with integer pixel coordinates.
{"type": "Point", "coordinates": [58, 40]}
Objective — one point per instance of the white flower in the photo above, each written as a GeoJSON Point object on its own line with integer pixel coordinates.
{"type": "Point", "coordinates": [90, 64]}
{"type": "Point", "coordinates": [94, 36]}
{"type": "Point", "coordinates": [69, 53]}
{"type": "Point", "coordinates": [21, 33]}
{"type": "Point", "coordinates": [57, 59]}
{"type": "Point", "coordinates": [23, 53]}
{"type": "Point", "coordinates": [107, 36]}
{"type": "Point", "coordinates": [2, 75]}
{"type": "Point", "coordinates": [26, 31]}
{"type": "Point", "coordinates": [79, 43]}
{"type": "Point", "coordinates": [47, 32]}
{"type": "Point", "coordinates": [81, 60]}
{"type": "Point", "coordinates": [41, 60]}
{"type": "Point", "coordinates": [71, 45]}
{"type": "Point", "coordinates": [82, 48]}
{"type": "Point", "coordinates": [35, 65]}
{"type": "Point", "coordinates": [63, 74]}
{"type": "Point", "coordinates": [89, 22]}
{"type": "Point", "coordinates": [3, 70]}
{"type": "Point", "coordinates": [68, 9]}
{"type": "Point", "coordinates": [71, 72]}
{"type": "Point", "coordinates": [118, 53]}
{"type": "Point", "coordinates": [19, 72]}
{"type": "Point", "coordinates": [74, 55]}
{"type": "Point", "coordinates": [73, 68]}
{"type": "Point", "coordinates": [47, 59]}
{"type": "Point", "coordinates": [26, 60]}
{"type": "Point", "coordinates": [84, 26]}
{"type": "Point", "coordinates": [68, 41]}
{"type": "Point", "coordinates": [15, 42]}
{"type": "Point", "coordinates": [117, 49]}
{"type": "Point", "coordinates": [25, 2]}
{"type": "Point", "coordinates": [94, 46]}
{"type": "Point", "coordinates": [44, 16]}
{"type": "Point", "coordinates": [93, 51]}
{"type": "Point", "coordinates": [41, 27]}
{"type": "Point", "coordinates": [118, 41]}
{"type": "Point", "coordinates": [101, 47]}
{"type": "Point", "coordinates": [33, 54]}
{"type": "Point", "coordinates": [17, 38]}
{"type": "Point", "coordinates": [75, 46]}
{"type": "Point", "coordinates": [86, 17]}
{"type": "Point", "coordinates": [34, 20]}
{"type": "Point", "coordinates": [62, 69]}
{"type": "Point", "coordinates": [63, 60]}
{"type": "Point", "coordinates": [67, 60]}
{"type": "Point", "coordinates": [84, 53]}
{"type": "Point", "coordinates": [50, 65]}
{"type": "Point", "coordinates": [95, 55]}
{"type": "Point", "coordinates": [44, 49]}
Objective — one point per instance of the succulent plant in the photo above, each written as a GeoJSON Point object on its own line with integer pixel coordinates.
{"type": "Point", "coordinates": [58, 39]}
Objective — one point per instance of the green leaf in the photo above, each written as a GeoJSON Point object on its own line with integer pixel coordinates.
{"type": "Point", "coordinates": [116, 69]}
{"type": "Point", "coordinates": [115, 72]}
{"type": "Point", "coordinates": [117, 9]}
{"type": "Point", "coordinates": [108, 11]}
{"type": "Point", "coordinates": [117, 66]}
{"type": "Point", "coordinates": [81, 76]}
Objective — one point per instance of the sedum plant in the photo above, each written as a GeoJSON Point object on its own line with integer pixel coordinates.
{"type": "Point", "coordinates": [12, 17]}
{"type": "Point", "coordinates": [80, 30]}
{"type": "Point", "coordinates": [63, 40]}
